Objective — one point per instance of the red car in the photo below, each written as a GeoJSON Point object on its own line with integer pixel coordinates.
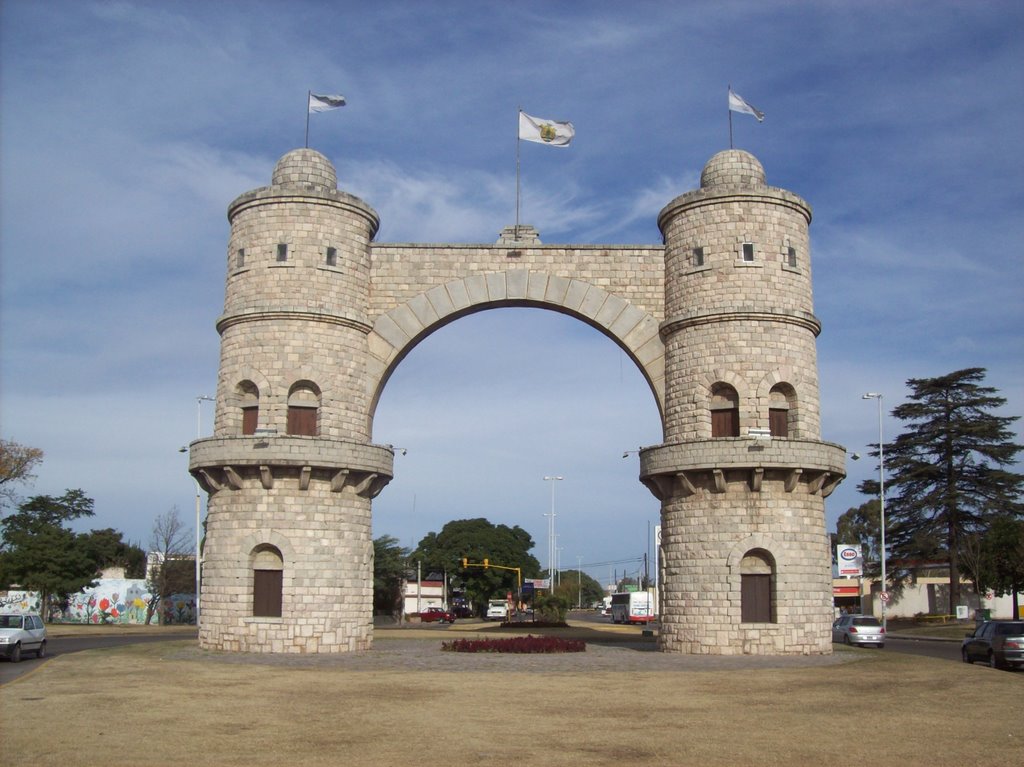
{"type": "Point", "coordinates": [432, 614]}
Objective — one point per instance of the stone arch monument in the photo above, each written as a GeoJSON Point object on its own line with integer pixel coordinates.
{"type": "Point", "coordinates": [719, 319]}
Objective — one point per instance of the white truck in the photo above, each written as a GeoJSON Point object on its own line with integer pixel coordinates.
{"type": "Point", "coordinates": [497, 610]}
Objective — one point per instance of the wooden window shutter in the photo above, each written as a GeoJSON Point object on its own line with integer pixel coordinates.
{"type": "Point", "coordinates": [302, 420]}
{"type": "Point", "coordinates": [250, 417]}
{"type": "Point", "coordinates": [266, 593]}
{"type": "Point", "coordinates": [778, 422]}
{"type": "Point", "coordinates": [756, 598]}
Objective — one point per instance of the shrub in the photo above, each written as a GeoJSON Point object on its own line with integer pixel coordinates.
{"type": "Point", "coordinates": [526, 644]}
{"type": "Point", "coordinates": [552, 608]}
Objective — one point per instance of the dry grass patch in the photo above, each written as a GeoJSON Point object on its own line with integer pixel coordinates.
{"type": "Point", "coordinates": [137, 706]}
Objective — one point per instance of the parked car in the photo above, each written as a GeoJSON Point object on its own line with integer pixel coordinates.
{"type": "Point", "coordinates": [859, 630]}
{"type": "Point", "coordinates": [1000, 644]}
{"type": "Point", "coordinates": [497, 610]}
{"type": "Point", "coordinates": [439, 614]}
{"type": "Point", "coordinates": [22, 633]}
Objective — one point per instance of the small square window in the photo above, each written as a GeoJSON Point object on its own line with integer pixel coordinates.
{"type": "Point", "coordinates": [282, 252]}
{"type": "Point", "coordinates": [748, 251]}
{"type": "Point", "coordinates": [698, 256]}
{"type": "Point", "coordinates": [791, 256]}
{"type": "Point", "coordinates": [332, 256]}
{"type": "Point", "coordinates": [240, 258]}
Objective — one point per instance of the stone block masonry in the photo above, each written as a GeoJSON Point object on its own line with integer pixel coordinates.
{"type": "Point", "coordinates": [719, 319]}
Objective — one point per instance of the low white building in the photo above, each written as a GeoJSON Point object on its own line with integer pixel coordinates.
{"type": "Point", "coordinates": [927, 595]}
{"type": "Point", "coordinates": [418, 596]}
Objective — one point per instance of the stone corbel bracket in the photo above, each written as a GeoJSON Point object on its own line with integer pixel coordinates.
{"type": "Point", "coordinates": [683, 469]}
{"type": "Point", "coordinates": [230, 463]}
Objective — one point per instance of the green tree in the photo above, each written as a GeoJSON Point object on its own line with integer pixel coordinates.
{"type": "Point", "coordinates": [107, 548]}
{"type": "Point", "coordinates": [41, 553]}
{"type": "Point", "coordinates": [860, 526]}
{"type": "Point", "coordinates": [389, 560]}
{"type": "Point", "coordinates": [477, 540]}
{"type": "Point", "coordinates": [17, 462]}
{"type": "Point", "coordinates": [578, 588]}
{"type": "Point", "coordinates": [1002, 559]}
{"type": "Point", "coordinates": [948, 472]}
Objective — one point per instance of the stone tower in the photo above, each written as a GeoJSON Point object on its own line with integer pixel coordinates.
{"type": "Point", "coordinates": [742, 473]}
{"type": "Point", "coordinates": [288, 553]}
{"type": "Point", "coordinates": [719, 320]}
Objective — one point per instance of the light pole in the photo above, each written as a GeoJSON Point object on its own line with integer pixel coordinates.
{"type": "Point", "coordinates": [881, 498]}
{"type": "Point", "coordinates": [579, 582]}
{"type": "Point", "coordinates": [199, 434]}
{"type": "Point", "coordinates": [551, 532]}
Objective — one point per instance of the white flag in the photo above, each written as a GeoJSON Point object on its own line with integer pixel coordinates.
{"type": "Point", "coordinates": [323, 103]}
{"type": "Point", "coordinates": [737, 104]}
{"type": "Point", "coordinates": [550, 132]}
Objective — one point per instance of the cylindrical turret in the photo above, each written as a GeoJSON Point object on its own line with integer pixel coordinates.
{"type": "Point", "coordinates": [289, 470]}
{"type": "Point", "coordinates": [742, 472]}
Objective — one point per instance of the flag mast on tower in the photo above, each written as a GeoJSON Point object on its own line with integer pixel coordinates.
{"type": "Point", "coordinates": [316, 102]}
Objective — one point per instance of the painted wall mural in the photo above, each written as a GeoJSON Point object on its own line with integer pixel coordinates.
{"type": "Point", "coordinates": [111, 600]}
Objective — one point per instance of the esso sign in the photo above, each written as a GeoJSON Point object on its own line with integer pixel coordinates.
{"type": "Point", "coordinates": [849, 560]}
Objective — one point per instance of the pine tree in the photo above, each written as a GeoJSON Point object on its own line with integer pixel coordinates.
{"type": "Point", "coordinates": [947, 473]}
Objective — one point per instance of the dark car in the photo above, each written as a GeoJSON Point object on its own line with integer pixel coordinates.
{"type": "Point", "coordinates": [1000, 644]}
{"type": "Point", "coordinates": [432, 614]}
{"type": "Point", "coordinates": [858, 629]}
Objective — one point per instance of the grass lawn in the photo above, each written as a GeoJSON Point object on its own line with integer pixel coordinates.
{"type": "Point", "coordinates": [142, 705]}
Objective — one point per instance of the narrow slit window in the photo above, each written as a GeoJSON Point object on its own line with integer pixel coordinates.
{"type": "Point", "coordinates": [791, 257]}
{"type": "Point", "coordinates": [698, 256]}
{"type": "Point", "coordinates": [332, 256]}
{"type": "Point", "coordinates": [240, 258]}
{"type": "Point", "coordinates": [282, 252]}
{"type": "Point", "coordinates": [748, 252]}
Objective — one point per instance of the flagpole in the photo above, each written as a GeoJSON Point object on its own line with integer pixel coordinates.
{"type": "Point", "coordinates": [730, 118]}
{"type": "Point", "coordinates": [308, 96]}
{"type": "Point", "coordinates": [518, 142]}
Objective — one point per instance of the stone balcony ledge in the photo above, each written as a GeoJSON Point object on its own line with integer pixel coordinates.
{"type": "Point", "coordinates": [220, 463]}
{"type": "Point", "coordinates": [681, 468]}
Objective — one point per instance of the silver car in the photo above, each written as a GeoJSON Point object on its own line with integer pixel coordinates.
{"type": "Point", "coordinates": [22, 633]}
{"type": "Point", "coordinates": [858, 629]}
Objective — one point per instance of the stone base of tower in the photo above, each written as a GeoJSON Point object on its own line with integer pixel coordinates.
{"type": "Point", "coordinates": [288, 549]}
{"type": "Point", "coordinates": [745, 563]}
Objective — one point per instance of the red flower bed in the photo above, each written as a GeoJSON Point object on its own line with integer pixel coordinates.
{"type": "Point", "coordinates": [526, 644]}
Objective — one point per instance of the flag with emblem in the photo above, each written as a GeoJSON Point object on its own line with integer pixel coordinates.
{"type": "Point", "coordinates": [550, 132]}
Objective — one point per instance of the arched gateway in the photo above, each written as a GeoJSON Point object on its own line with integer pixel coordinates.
{"type": "Point", "coordinates": [719, 319]}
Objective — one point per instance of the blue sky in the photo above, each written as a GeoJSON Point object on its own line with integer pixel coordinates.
{"type": "Point", "coordinates": [127, 128]}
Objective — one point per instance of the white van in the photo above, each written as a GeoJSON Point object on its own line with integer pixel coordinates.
{"type": "Point", "coordinates": [497, 610]}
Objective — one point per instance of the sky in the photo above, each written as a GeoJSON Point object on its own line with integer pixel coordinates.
{"type": "Point", "coordinates": [126, 129]}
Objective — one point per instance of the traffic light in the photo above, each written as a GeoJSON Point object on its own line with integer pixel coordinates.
{"type": "Point", "coordinates": [464, 563]}
{"type": "Point", "coordinates": [486, 564]}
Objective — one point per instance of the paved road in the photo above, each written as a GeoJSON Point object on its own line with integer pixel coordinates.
{"type": "Point", "coordinates": [62, 645]}
{"type": "Point", "coordinates": [946, 650]}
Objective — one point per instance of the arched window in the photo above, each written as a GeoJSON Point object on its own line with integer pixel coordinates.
{"type": "Point", "coordinates": [757, 584]}
{"type": "Point", "coordinates": [249, 398]}
{"type": "Point", "coordinates": [303, 409]}
{"type": "Point", "coordinates": [725, 411]}
{"type": "Point", "coordinates": [267, 581]}
{"type": "Point", "coordinates": [780, 410]}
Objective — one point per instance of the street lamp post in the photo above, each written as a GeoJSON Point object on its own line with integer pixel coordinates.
{"type": "Point", "coordinates": [199, 434]}
{"type": "Point", "coordinates": [881, 498]}
{"type": "Point", "coordinates": [579, 582]}
{"type": "Point", "coordinates": [551, 532]}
